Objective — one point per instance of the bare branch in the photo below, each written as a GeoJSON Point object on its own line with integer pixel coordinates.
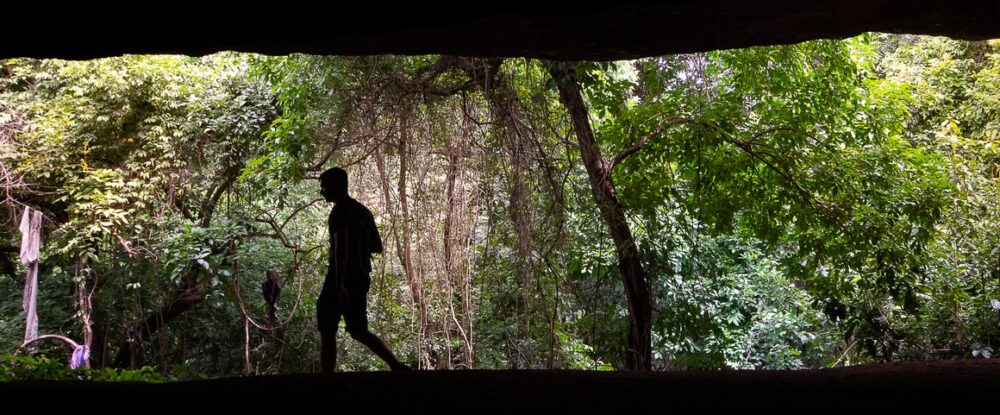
{"type": "Point", "coordinates": [299, 209]}
{"type": "Point", "coordinates": [69, 342]}
{"type": "Point", "coordinates": [748, 148]}
{"type": "Point", "coordinates": [663, 126]}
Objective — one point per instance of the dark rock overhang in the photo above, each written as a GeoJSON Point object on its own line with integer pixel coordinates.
{"type": "Point", "coordinates": [948, 386]}
{"type": "Point", "coordinates": [589, 32]}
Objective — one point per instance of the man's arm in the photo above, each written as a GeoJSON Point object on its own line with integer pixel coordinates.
{"type": "Point", "coordinates": [340, 252]}
{"type": "Point", "coordinates": [374, 245]}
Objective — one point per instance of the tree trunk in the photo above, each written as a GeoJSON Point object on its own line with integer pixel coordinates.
{"type": "Point", "coordinates": [638, 355]}
{"type": "Point", "coordinates": [455, 268]}
{"type": "Point", "coordinates": [506, 118]}
{"type": "Point", "coordinates": [85, 306]}
{"type": "Point", "coordinates": [402, 238]}
{"type": "Point", "coordinates": [190, 293]}
{"type": "Point", "coordinates": [184, 299]}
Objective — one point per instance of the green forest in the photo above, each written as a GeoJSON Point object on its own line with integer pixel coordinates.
{"type": "Point", "coordinates": [823, 204]}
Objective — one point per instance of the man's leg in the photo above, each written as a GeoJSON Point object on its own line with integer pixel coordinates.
{"type": "Point", "coordinates": [376, 345]}
{"type": "Point", "coordinates": [328, 351]}
{"type": "Point", "coordinates": [328, 319]}
{"type": "Point", "coordinates": [356, 319]}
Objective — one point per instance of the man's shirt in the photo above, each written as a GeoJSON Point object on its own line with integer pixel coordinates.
{"type": "Point", "coordinates": [353, 238]}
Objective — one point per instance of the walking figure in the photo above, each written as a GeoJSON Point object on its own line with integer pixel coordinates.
{"type": "Point", "coordinates": [353, 239]}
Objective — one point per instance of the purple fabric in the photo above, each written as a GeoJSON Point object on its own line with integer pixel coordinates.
{"type": "Point", "coordinates": [80, 356]}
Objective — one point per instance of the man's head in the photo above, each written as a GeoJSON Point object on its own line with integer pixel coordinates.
{"type": "Point", "coordinates": [333, 184]}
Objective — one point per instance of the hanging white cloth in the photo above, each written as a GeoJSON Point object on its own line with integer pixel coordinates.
{"type": "Point", "coordinates": [31, 241]}
{"type": "Point", "coordinates": [31, 237]}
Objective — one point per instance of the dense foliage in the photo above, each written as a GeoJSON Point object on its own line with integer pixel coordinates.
{"type": "Point", "coordinates": [812, 205]}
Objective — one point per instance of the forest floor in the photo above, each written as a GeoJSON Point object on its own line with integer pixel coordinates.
{"type": "Point", "coordinates": [951, 386]}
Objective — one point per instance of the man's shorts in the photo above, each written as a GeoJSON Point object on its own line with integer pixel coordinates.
{"type": "Point", "coordinates": [328, 312]}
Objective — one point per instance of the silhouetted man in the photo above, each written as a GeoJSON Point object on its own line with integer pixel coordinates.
{"type": "Point", "coordinates": [353, 239]}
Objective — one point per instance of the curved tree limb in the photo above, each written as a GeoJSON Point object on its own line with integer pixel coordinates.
{"type": "Point", "coordinates": [663, 126]}
{"type": "Point", "coordinates": [69, 342]}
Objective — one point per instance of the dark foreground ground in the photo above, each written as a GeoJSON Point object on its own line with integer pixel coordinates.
{"type": "Point", "coordinates": [958, 386]}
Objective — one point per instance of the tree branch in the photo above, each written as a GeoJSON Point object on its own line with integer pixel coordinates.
{"type": "Point", "coordinates": [663, 126]}
{"type": "Point", "coordinates": [69, 342]}
{"type": "Point", "coordinates": [747, 148]}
